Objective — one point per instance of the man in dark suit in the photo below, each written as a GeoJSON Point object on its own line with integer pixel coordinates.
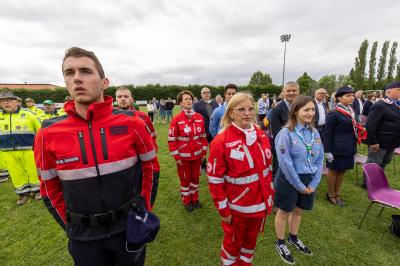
{"type": "Point", "coordinates": [280, 114]}
{"type": "Point", "coordinates": [358, 104]}
{"type": "Point", "coordinates": [205, 107]}
{"type": "Point", "coordinates": [321, 110]}
{"type": "Point", "coordinates": [383, 126]}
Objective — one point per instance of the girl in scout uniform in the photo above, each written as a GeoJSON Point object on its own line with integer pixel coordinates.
{"type": "Point", "coordinates": [300, 155]}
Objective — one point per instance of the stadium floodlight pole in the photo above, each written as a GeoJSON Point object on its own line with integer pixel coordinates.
{"type": "Point", "coordinates": [284, 38]}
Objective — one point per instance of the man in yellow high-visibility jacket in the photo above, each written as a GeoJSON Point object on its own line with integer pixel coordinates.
{"type": "Point", "coordinates": [30, 104]}
{"type": "Point", "coordinates": [49, 110]}
{"type": "Point", "coordinates": [17, 130]}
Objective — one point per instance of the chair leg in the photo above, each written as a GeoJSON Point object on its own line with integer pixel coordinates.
{"type": "Point", "coordinates": [380, 213]}
{"type": "Point", "coordinates": [394, 164]}
{"type": "Point", "coordinates": [365, 214]}
{"type": "Point", "coordinates": [356, 174]}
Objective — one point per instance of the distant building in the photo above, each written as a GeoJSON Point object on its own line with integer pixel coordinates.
{"type": "Point", "coordinates": [28, 86]}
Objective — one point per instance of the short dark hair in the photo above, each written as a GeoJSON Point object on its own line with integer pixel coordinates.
{"type": "Point", "coordinates": [79, 52]}
{"type": "Point", "coordinates": [180, 96]}
{"type": "Point", "coordinates": [123, 88]}
{"type": "Point", "coordinates": [230, 86]}
{"type": "Point", "coordinates": [298, 103]}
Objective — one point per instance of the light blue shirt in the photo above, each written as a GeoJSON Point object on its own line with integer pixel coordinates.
{"type": "Point", "coordinates": [215, 120]}
{"type": "Point", "coordinates": [292, 156]}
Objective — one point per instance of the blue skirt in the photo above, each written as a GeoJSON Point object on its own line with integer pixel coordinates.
{"type": "Point", "coordinates": [341, 163]}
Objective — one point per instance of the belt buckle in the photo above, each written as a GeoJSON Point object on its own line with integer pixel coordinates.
{"type": "Point", "coordinates": [103, 218]}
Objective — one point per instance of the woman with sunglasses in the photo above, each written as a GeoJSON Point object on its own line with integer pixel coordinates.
{"type": "Point", "coordinates": [240, 179]}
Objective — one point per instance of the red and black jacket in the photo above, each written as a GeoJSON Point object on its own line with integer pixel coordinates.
{"type": "Point", "coordinates": [88, 166]}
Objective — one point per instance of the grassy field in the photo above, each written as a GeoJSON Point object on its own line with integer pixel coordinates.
{"type": "Point", "coordinates": [30, 236]}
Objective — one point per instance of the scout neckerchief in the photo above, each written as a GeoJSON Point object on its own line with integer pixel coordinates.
{"type": "Point", "coordinates": [308, 145]}
{"type": "Point", "coordinates": [359, 130]}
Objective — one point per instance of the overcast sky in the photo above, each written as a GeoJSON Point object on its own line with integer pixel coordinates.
{"type": "Point", "coordinates": [190, 42]}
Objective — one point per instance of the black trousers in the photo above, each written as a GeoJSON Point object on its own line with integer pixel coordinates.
{"type": "Point", "coordinates": [321, 131]}
{"type": "Point", "coordinates": [105, 252]}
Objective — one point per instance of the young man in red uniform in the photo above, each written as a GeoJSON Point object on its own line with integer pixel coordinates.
{"type": "Point", "coordinates": [87, 163]}
{"type": "Point", "coordinates": [187, 142]}
{"type": "Point", "coordinates": [125, 102]}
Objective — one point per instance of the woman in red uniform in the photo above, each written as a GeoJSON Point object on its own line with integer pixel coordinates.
{"type": "Point", "coordinates": [188, 145]}
{"type": "Point", "coordinates": [240, 179]}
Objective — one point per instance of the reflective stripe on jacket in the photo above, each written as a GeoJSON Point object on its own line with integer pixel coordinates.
{"type": "Point", "coordinates": [240, 176]}
{"type": "Point", "coordinates": [17, 130]}
{"type": "Point", "coordinates": [89, 166]}
{"type": "Point", "coordinates": [187, 138]}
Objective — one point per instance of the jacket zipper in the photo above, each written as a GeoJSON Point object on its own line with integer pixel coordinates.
{"type": "Point", "coordinates": [104, 143]}
{"type": "Point", "coordinates": [11, 136]}
{"type": "Point", "coordinates": [83, 148]}
{"type": "Point", "coordinates": [259, 146]}
{"type": "Point", "coordinates": [96, 163]}
{"type": "Point", "coordinates": [241, 195]}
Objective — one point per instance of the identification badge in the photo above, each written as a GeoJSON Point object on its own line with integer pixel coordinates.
{"type": "Point", "coordinates": [187, 129]}
{"type": "Point", "coordinates": [238, 155]}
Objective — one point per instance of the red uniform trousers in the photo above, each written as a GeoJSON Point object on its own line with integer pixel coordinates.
{"type": "Point", "coordinates": [240, 238]}
{"type": "Point", "coordinates": [189, 173]}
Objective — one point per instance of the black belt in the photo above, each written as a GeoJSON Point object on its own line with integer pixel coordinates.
{"type": "Point", "coordinates": [104, 218]}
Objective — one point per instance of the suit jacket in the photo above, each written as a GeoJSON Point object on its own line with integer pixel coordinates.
{"type": "Point", "coordinates": [325, 105]}
{"type": "Point", "coordinates": [339, 136]}
{"type": "Point", "coordinates": [356, 106]}
{"type": "Point", "coordinates": [383, 125]}
{"type": "Point", "coordinates": [279, 117]}
{"type": "Point", "coordinates": [200, 108]}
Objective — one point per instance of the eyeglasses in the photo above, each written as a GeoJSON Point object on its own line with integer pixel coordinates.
{"type": "Point", "coordinates": [204, 92]}
{"type": "Point", "coordinates": [242, 110]}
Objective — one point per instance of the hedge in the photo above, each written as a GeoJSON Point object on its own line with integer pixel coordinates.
{"type": "Point", "coordinates": [146, 92]}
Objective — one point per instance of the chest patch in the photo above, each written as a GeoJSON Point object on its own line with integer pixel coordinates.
{"type": "Point", "coordinates": [67, 160]}
{"type": "Point", "coordinates": [118, 130]}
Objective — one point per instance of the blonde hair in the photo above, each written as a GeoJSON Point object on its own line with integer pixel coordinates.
{"type": "Point", "coordinates": [237, 99]}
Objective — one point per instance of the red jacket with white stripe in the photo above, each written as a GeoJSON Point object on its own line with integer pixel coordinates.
{"type": "Point", "coordinates": [240, 176]}
{"type": "Point", "coordinates": [187, 137]}
{"type": "Point", "coordinates": [88, 166]}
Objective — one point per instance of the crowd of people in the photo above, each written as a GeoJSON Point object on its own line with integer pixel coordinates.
{"type": "Point", "coordinates": [96, 161]}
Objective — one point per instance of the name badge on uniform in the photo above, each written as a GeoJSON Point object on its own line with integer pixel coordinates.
{"type": "Point", "coordinates": [187, 129]}
{"type": "Point", "coordinates": [238, 155]}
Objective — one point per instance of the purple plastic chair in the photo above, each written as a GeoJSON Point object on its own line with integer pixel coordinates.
{"type": "Point", "coordinates": [379, 190]}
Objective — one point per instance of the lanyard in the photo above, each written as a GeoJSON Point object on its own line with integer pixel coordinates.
{"type": "Point", "coordinates": [308, 145]}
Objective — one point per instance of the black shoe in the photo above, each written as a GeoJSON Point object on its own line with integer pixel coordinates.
{"type": "Point", "coordinates": [300, 246]}
{"type": "Point", "coordinates": [284, 252]}
{"type": "Point", "coordinates": [197, 205]}
{"type": "Point", "coordinates": [189, 207]}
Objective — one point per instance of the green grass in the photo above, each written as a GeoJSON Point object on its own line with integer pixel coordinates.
{"type": "Point", "coordinates": [30, 236]}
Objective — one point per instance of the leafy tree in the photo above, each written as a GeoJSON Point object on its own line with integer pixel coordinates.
{"type": "Point", "coordinates": [352, 75]}
{"type": "Point", "coordinates": [372, 66]}
{"type": "Point", "coordinates": [306, 83]}
{"type": "Point", "coordinates": [259, 78]}
{"type": "Point", "coordinates": [360, 63]}
{"type": "Point", "coordinates": [392, 62]}
{"type": "Point", "coordinates": [382, 65]}
{"type": "Point", "coordinates": [327, 82]}
{"type": "Point", "coordinates": [398, 73]}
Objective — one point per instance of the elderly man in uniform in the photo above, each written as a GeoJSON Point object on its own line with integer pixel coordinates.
{"type": "Point", "coordinates": [383, 126]}
{"type": "Point", "coordinates": [18, 127]}
{"type": "Point", "coordinates": [30, 104]}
